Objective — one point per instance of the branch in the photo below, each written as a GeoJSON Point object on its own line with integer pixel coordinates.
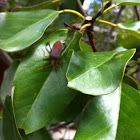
{"type": "Point", "coordinates": [83, 110]}
{"type": "Point", "coordinates": [138, 74]}
{"type": "Point", "coordinates": [91, 38]}
{"type": "Point", "coordinates": [101, 11]}
{"type": "Point", "coordinates": [136, 12]}
{"type": "Point", "coordinates": [112, 28]}
{"type": "Point", "coordinates": [81, 8]}
{"type": "Point", "coordinates": [91, 20]}
{"type": "Point", "coordinates": [62, 124]}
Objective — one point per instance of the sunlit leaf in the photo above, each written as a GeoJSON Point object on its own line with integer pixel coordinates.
{"type": "Point", "coordinates": [112, 117]}
{"type": "Point", "coordinates": [41, 95]}
{"type": "Point", "coordinates": [21, 29]}
{"type": "Point", "coordinates": [97, 73]}
{"type": "Point", "coordinates": [128, 2]}
{"type": "Point", "coordinates": [132, 28]}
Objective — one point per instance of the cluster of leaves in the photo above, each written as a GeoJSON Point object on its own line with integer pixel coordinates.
{"type": "Point", "coordinates": [37, 97]}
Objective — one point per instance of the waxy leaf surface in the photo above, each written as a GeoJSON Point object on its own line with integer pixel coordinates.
{"type": "Point", "coordinates": [41, 95]}
{"type": "Point", "coordinates": [18, 30]}
{"type": "Point", "coordinates": [37, 7]}
{"type": "Point", "coordinates": [128, 2]}
{"type": "Point", "coordinates": [97, 73]}
{"type": "Point", "coordinates": [112, 117]}
{"type": "Point", "coordinates": [132, 28]}
{"type": "Point", "coordinates": [10, 130]}
{"type": "Point", "coordinates": [9, 125]}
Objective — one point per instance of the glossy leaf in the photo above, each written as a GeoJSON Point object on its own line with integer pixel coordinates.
{"type": "Point", "coordinates": [21, 29]}
{"type": "Point", "coordinates": [85, 47]}
{"type": "Point", "coordinates": [9, 125]}
{"type": "Point", "coordinates": [8, 81]}
{"type": "Point", "coordinates": [97, 73]}
{"type": "Point", "coordinates": [132, 28]}
{"type": "Point", "coordinates": [122, 40]}
{"type": "Point", "coordinates": [112, 117]}
{"type": "Point", "coordinates": [68, 17]}
{"type": "Point", "coordinates": [134, 42]}
{"type": "Point", "coordinates": [41, 95]}
{"type": "Point", "coordinates": [74, 109]}
{"type": "Point", "coordinates": [128, 2]}
{"type": "Point", "coordinates": [37, 7]}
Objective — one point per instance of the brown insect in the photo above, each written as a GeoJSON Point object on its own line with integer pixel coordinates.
{"type": "Point", "coordinates": [55, 55]}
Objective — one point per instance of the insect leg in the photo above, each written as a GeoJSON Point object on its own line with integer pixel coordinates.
{"type": "Point", "coordinates": [60, 61]}
{"type": "Point", "coordinates": [64, 46]}
{"type": "Point", "coordinates": [44, 53]}
{"type": "Point", "coordinates": [56, 65]}
{"type": "Point", "coordinates": [44, 67]}
{"type": "Point", "coordinates": [58, 69]}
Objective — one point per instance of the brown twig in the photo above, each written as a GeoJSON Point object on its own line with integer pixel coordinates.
{"type": "Point", "coordinates": [138, 74]}
{"type": "Point", "coordinates": [136, 12]}
{"type": "Point", "coordinates": [112, 28]}
{"type": "Point", "coordinates": [60, 125]}
{"type": "Point", "coordinates": [100, 12]}
{"type": "Point", "coordinates": [81, 8]}
{"type": "Point", "coordinates": [91, 38]}
{"type": "Point", "coordinates": [133, 72]}
{"type": "Point", "coordinates": [91, 21]}
{"type": "Point", "coordinates": [83, 110]}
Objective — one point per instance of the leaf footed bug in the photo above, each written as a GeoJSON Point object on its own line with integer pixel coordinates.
{"type": "Point", "coordinates": [55, 54]}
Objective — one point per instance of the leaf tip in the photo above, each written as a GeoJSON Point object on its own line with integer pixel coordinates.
{"type": "Point", "coordinates": [133, 50]}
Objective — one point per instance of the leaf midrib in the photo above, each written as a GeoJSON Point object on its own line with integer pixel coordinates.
{"type": "Point", "coordinates": [26, 29]}
{"type": "Point", "coordinates": [35, 99]}
{"type": "Point", "coordinates": [93, 67]}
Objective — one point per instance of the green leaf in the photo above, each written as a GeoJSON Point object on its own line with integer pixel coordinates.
{"type": "Point", "coordinates": [41, 134]}
{"type": "Point", "coordinates": [8, 80]}
{"type": "Point", "coordinates": [68, 17]}
{"type": "Point", "coordinates": [130, 81]}
{"type": "Point", "coordinates": [128, 2]}
{"type": "Point", "coordinates": [132, 28]}
{"type": "Point", "coordinates": [97, 73]}
{"type": "Point", "coordinates": [41, 95]}
{"type": "Point", "coordinates": [73, 110]}
{"type": "Point", "coordinates": [37, 7]}
{"type": "Point", "coordinates": [9, 125]}
{"type": "Point", "coordinates": [11, 3]}
{"type": "Point", "coordinates": [1, 130]}
{"type": "Point", "coordinates": [21, 29]}
{"type": "Point", "coordinates": [122, 40]}
{"type": "Point", "coordinates": [112, 117]}
{"type": "Point", "coordinates": [85, 47]}
{"type": "Point", "coordinates": [30, 3]}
